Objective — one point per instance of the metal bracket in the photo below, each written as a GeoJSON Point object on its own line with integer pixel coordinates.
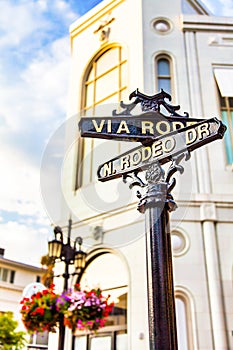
{"type": "Point", "coordinates": [174, 167]}
{"type": "Point", "coordinates": [135, 180]}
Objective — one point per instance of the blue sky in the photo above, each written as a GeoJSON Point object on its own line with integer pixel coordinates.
{"type": "Point", "coordinates": [34, 72]}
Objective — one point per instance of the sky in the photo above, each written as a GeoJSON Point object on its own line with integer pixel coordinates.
{"type": "Point", "coordinates": [34, 81]}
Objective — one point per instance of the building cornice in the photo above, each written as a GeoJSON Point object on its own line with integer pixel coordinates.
{"type": "Point", "coordinates": [202, 23]}
{"type": "Point", "coordinates": [13, 263]}
{"type": "Point", "coordinates": [193, 202]}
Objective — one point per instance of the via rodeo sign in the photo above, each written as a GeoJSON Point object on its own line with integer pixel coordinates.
{"type": "Point", "coordinates": [162, 137]}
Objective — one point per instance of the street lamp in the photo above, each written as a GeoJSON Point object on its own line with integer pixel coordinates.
{"type": "Point", "coordinates": [60, 251]}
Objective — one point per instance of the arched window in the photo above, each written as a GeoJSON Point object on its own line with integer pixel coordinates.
{"type": "Point", "coordinates": [105, 78]}
{"type": "Point", "coordinates": [99, 273]}
{"type": "Point", "coordinates": [105, 82]}
{"type": "Point", "coordinates": [181, 319]}
{"type": "Point", "coordinates": [163, 73]}
{"type": "Point", "coordinates": [184, 320]}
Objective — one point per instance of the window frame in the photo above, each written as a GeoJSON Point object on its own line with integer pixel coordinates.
{"type": "Point", "coordinates": [34, 341]}
{"type": "Point", "coordinates": [170, 77]}
{"type": "Point", "coordinates": [92, 66]}
{"type": "Point", "coordinates": [108, 330]}
{"type": "Point", "coordinates": [122, 62]}
{"type": "Point", "coordinates": [226, 107]}
{"type": "Point", "coordinates": [7, 275]}
{"type": "Point", "coordinates": [182, 294]}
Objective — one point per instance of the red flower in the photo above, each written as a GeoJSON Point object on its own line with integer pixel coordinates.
{"type": "Point", "coordinates": [39, 310]}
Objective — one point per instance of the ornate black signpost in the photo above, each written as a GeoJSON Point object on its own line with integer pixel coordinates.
{"type": "Point", "coordinates": [164, 138]}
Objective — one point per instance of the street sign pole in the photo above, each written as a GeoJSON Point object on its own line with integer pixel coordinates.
{"type": "Point", "coordinates": [156, 204]}
{"type": "Point", "coordinates": [164, 139]}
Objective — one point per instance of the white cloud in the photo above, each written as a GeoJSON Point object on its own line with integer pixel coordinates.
{"type": "Point", "coordinates": [210, 5]}
{"type": "Point", "coordinates": [19, 185]}
{"type": "Point", "coordinates": [23, 243]}
{"type": "Point", "coordinates": [47, 80]}
{"type": "Point", "coordinates": [220, 7]}
{"type": "Point", "coordinates": [227, 7]}
{"type": "Point", "coordinates": [32, 17]}
{"type": "Point", "coordinates": [34, 73]}
{"type": "Point", "coordinates": [40, 92]}
{"type": "Point", "coordinates": [23, 22]}
{"type": "Point", "coordinates": [38, 102]}
{"type": "Point", "coordinates": [62, 7]}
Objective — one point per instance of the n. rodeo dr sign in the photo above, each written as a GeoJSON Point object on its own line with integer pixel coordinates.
{"type": "Point", "coordinates": [162, 149]}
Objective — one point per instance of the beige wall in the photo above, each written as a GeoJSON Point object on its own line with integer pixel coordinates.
{"type": "Point", "coordinates": [12, 293]}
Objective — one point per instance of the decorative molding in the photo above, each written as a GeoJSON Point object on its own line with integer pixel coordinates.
{"type": "Point", "coordinates": [185, 242]}
{"type": "Point", "coordinates": [221, 41]}
{"type": "Point", "coordinates": [92, 17]}
{"type": "Point", "coordinates": [197, 23]}
{"type": "Point", "coordinates": [104, 29]}
{"type": "Point", "coordinates": [98, 233]}
{"type": "Point", "coordinates": [162, 25]}
{"type": "Point", "coordinates": [208, 212]}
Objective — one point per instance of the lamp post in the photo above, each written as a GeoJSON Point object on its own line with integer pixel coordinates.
{"type": "Point", "coordinates": [60, 251]}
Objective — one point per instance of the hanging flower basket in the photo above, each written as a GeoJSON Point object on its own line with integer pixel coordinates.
{"type": "Point", "coordinates": [84, 310]}
{"type": "Point", "coordinates": [39, 312]}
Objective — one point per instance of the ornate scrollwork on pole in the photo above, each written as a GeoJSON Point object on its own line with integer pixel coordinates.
{"type": "Point", "coordinates": [150, 103]}
{"type": "Point", "coordinates": [154, 174]}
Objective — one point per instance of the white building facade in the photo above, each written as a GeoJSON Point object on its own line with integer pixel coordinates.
{"type": "Point", "coordinates": [14, 277]}
{"type": "Point", "coordinates": [118, 46]}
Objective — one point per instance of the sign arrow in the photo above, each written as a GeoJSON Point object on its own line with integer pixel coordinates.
{"type": "Point", "coordinates": [162, 149]}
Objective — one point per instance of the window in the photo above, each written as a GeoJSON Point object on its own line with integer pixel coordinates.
{"type": "Point", "coordinates": [38, 341]}
{"type": "Point", "coordinates": [104, 83]}
{"type": "Point", "coordinates": [12, 276]}
{"type": "Point", "coordinates": [99, 274]}
{"type": "Point", "coordinates": [4, 276]}
{"type": "Point", "coordinates": [184, 321]}
{"type": "Point", "coordinates": [226, 105]}
{"type": "Point", "coordinates": [38, 278]}
{"type": "Point", "coordinates": [223, 77]}
{"type": "Point", "coordinates": [181, 319]}
{"type": "Point", "coordinates": [7, 275]}
{"type": "Point", "coordinates": [105, 78]}
{"type": "Point", "coordinates": [163, 73]}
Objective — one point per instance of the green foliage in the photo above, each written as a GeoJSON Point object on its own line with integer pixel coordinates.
{"type": "Point", "coordinates": [10, 339]}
